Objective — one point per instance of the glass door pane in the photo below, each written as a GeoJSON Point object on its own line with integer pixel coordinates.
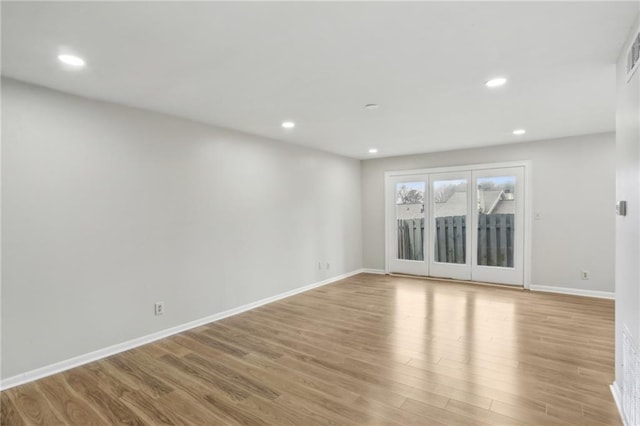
{"type": "Point", "coordinates": [410, 220]}
{"type": "Point", "coordinates": [450, 216]}
{"type": "Point", "coordinates": [449, 224]}
{"type": "Point", "coordinates": [406, 239]}
{"type": "Point", "coordinates": [496, 220]}
{"type": "Point", "coordinates": [499, 226]}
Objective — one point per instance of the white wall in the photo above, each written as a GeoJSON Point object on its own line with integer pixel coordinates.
{"type": "Point", "coordinates": [627, 227]}
{"type": "Point", "coordinates": [107, 209]}
{"type": "Point", "coordinates": [573, 189]}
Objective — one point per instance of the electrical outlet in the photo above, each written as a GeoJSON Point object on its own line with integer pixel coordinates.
{"type": "Point", "coordinates": [159, 308]}
{"type": "Point", "coordinates": [328, 266]}
{"type": "Point", "coordinates": [585, 275]}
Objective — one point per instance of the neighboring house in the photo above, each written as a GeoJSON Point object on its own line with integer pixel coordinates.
{"type": "Point", "coordinates": [504, 205]}
{"type": "Point", "coordinates": [455, 205]}
{"type": "Point", "coordinates": [489, 202]}
{"type": "Point", "coordinates": [494, 202]}
{"type": "Point", "coordinates": [409, 211]}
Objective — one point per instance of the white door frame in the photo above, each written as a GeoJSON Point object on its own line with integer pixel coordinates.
{"type": "Point", "coordinates": [528, 205]}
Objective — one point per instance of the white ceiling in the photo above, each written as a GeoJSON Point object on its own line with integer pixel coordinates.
{"type": "Point", "coordinates": [249, 66]}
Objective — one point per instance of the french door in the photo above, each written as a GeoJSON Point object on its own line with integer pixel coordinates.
{"type": "Point", "coordinates": [465, 224]}
{"type": "Point", "coordinates": [498, 226]}
{"type": "Point", "coordinates": [450, 209]}
{"type": "Point", "coordinates": [407, 196]}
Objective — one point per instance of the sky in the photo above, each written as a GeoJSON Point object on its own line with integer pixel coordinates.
{"type": "Point", "coordinates": [497, 180]}
{"type": "Point", "coordinates": [418, 186]}
{"type": "Point", "coordinates": [444, 183]}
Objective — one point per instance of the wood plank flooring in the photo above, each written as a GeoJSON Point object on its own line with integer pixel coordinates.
{"type": "Point", "coordinates": [368, 350]}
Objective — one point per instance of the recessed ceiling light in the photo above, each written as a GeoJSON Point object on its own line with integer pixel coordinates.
{"type": "Point", "coordinates": [373, 150]}
{"type": "Point", "coordinates": [288, 124]}
{"type": "Point", "coordinates": [496, 82]}
{"type": "Point", "coordinates": [72, 60]}
{"type": "Point", "coordinates": [519, 132]}
{"type": "Point", "coordinates": [372, 106]}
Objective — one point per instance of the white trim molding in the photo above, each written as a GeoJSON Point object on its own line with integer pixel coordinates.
{"type": "Point", "coordinates": [574, 291]}
{"type": "Point", "coordinates": [617, 397]}
{"type": "Point", "coordinates": [483, 166]}
{"type": "Point", "coordinates": [77, 361]}
{"type": "Point", "coordinates": [372, 271]}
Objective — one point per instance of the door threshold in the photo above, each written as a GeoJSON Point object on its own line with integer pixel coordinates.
{"type": "Point", "coordinates": [455, 281]}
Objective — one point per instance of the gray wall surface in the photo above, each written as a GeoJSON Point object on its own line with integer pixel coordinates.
{"type": "Point", "coordinates": [108, 209]}
{"type": "Point", "coordinates": [573, 189]}
{"type": "Point", "coordinates": [627, 188]}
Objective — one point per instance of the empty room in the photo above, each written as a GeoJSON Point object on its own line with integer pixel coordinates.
{"type": "Point", "coordinates": [320, 213]}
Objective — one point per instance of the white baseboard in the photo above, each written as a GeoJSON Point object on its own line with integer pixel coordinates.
{"type": "Point", "coordinates": [372, 271]}
{"type": "Point", "coordinates": [77, 361]}
{"type": "Point", "coordinates": [617, 397]}
{"type": "Point", "coordinates": [574, 291]}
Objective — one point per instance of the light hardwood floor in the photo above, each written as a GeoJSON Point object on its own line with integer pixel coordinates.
{"type": "Point", "coordinates": [368, 350]}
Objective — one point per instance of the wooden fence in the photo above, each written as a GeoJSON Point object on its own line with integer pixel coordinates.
{"type": "Point", "coordinates": [495, 239]}
{"type": "Point", "coordinates": [450, 239]}
{"type": "Point", "coordinates": [410, 238]}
